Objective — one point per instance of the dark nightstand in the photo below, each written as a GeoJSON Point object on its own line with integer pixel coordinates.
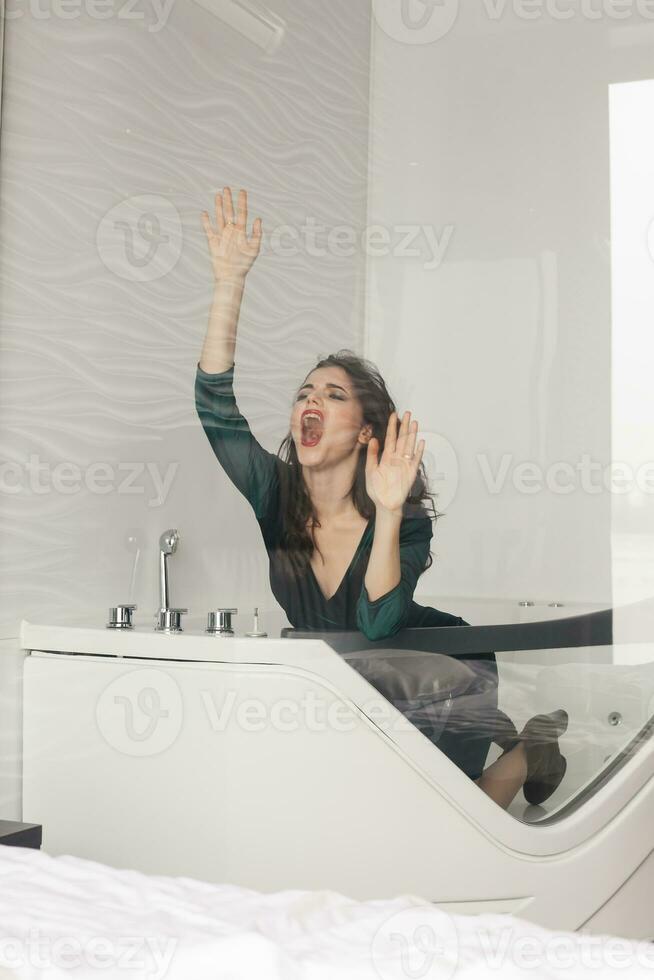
{"type": "Point", "coordinates": [21, 834]}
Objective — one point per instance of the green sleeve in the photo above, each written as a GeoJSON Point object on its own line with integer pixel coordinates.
{"type": "Point", "coordinates": [251, 468]}
{"type": "Point", "coordinates": [386, 615]}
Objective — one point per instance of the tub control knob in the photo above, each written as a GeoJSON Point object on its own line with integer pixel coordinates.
{"type": "Point", "coordinates": [219, 621]}
{"type": "Point", "coordinates": [170, 620]}
{"type": "Point", "coordinates": [120, 618]}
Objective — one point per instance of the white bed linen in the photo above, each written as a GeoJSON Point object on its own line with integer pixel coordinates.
{"type": "Point", "coordinates": [65, 917]}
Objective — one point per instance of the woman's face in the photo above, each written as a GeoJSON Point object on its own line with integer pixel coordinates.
{"type": "Point", "coordinates": [337, 429]}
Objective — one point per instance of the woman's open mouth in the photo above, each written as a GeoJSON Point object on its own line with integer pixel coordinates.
{"type": "Point", "coordinates": [312, 427]}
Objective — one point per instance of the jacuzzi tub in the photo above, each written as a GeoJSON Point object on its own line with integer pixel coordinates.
{"type": "Point", "coordinates": [132, 758]}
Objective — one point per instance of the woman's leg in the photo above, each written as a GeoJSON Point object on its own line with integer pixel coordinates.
{"type": "Point", "coordinates": [505, 778]}
{"type": "Point", "coordinates": [468, 733]}
{"type": "Point", "coordinates": [535, 763]}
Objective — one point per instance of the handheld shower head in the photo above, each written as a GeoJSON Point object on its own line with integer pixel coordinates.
{"type": "Point", "coordinates": [168, 542]}
{"type": "Point", "coordinates": [167, 546]}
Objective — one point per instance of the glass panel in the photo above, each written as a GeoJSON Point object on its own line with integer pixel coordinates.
{"type": "Point", "coordinates": [598, 668]}
{"type": "Point", "coordinates": [608, 706]}
{"type": "Point", "coordinates": [632, 253]}
{"type": "Point", "coordinates": [463, 196]}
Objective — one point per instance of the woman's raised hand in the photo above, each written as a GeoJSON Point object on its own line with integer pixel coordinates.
{"type": "Point", "coordinates": [389, 480]}
{"type": "Point", "coordinates": [232, 252]}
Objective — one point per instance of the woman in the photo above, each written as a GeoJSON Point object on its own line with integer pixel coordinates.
{"type": "Point", "coordinates": [341, 507]}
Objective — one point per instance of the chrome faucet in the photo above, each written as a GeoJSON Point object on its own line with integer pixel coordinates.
{"type": "Point", "coordinates": [167, 546]}
{"type": "Point", "coordinates": [168, 620]}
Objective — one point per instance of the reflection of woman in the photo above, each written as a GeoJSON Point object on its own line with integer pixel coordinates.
{"type": "Point", "coordinates": [341, 507]}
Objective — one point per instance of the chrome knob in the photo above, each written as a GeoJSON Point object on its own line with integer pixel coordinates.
{"type": "Point", "coordinates": [170, 620]}
{"type": "Point", "coordinates": [120, 618]}
{"type": "Point", "coordinates": [220, 621]}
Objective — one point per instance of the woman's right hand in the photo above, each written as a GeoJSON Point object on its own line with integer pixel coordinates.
{"type": "Point", "coordinates": [232, 252]}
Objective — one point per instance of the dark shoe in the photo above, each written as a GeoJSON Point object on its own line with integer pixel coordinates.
{"type": "Point", "coordinates": [545, 765]}
{"type": "Point", "coordinates": [505, 734]}
{"type": "Point", "coordinates": [546, 770]}
{"type": "Point", "coordinates": [546, 727]}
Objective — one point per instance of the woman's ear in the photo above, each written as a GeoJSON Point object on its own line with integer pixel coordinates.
{"type": "Point", "coordinates": [366, 434]}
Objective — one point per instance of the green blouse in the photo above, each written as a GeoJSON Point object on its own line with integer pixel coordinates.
{"type": "Point", "coordinates": [256, 474]}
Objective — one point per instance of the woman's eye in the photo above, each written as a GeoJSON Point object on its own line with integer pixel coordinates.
{"type": "Point", "coordinates": [333, 394]}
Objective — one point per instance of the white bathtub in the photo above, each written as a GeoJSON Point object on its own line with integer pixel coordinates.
{"type": "Point", "coordinates": [372, 809]}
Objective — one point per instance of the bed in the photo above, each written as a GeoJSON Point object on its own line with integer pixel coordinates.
{"type": "Point", "coordinates": [68, 917]}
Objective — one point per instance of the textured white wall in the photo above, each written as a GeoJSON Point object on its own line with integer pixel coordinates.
{"type": "Point", "coordinates": [99, 344]}
{"type": "Point", "coordinates": [99, 349]}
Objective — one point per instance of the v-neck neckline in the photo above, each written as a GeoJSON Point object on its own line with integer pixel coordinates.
{"type": "Point", "coordinates": [349, 567]}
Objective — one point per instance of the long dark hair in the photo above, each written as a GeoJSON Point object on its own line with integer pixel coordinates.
{"type": "Point", "coordinates": [296, 506]}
